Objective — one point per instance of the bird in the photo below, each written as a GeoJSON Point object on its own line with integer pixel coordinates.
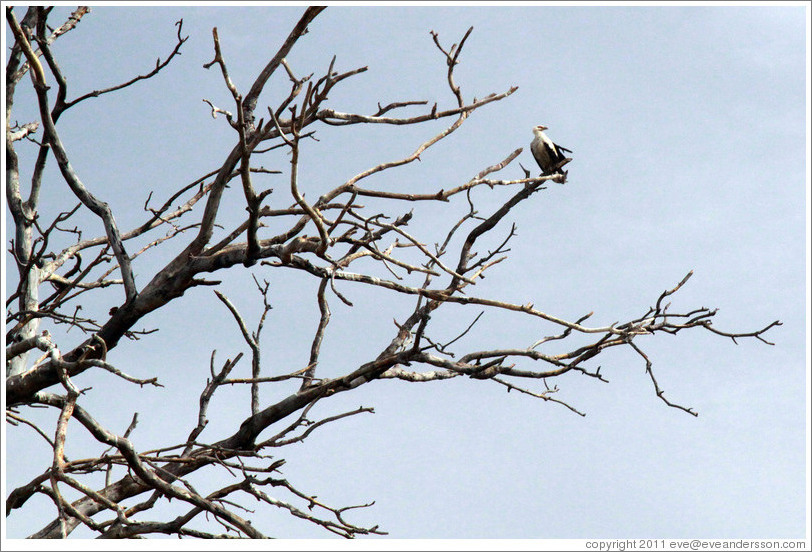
{"type": "Point", "coordinates": [548, 155]}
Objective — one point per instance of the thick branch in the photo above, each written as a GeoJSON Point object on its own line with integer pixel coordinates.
{"type": "Point", "coordinates": [298, 31]}
{"type": "Point", "coordinates": [100, 208]}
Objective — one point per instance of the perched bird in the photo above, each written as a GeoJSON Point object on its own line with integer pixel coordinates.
{"type": "Point", "coordinates": [549, 156]}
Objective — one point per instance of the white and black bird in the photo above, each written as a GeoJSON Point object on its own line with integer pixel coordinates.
{"type": "Point", "coordinates": [549, 156]}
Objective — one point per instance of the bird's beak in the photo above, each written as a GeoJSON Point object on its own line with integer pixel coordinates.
{"type": "Point", "coordinates": [541, 128]}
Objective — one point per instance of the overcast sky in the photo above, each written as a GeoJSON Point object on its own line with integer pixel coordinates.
{"type": "Point", "coordinates": [689, 127]}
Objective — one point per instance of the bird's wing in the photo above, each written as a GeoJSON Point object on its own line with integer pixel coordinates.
{"type": "Point", "coordinates": [562, 148]}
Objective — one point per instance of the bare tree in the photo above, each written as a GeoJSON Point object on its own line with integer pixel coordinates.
{"type": "Point", "coordinates": [333, 239]}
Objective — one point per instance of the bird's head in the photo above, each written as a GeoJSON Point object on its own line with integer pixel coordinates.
{"type": "Point", "coordinates": [539, 128]}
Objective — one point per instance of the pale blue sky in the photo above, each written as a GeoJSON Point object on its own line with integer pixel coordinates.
{"type": "Point", "coordinates": [688, 127]}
